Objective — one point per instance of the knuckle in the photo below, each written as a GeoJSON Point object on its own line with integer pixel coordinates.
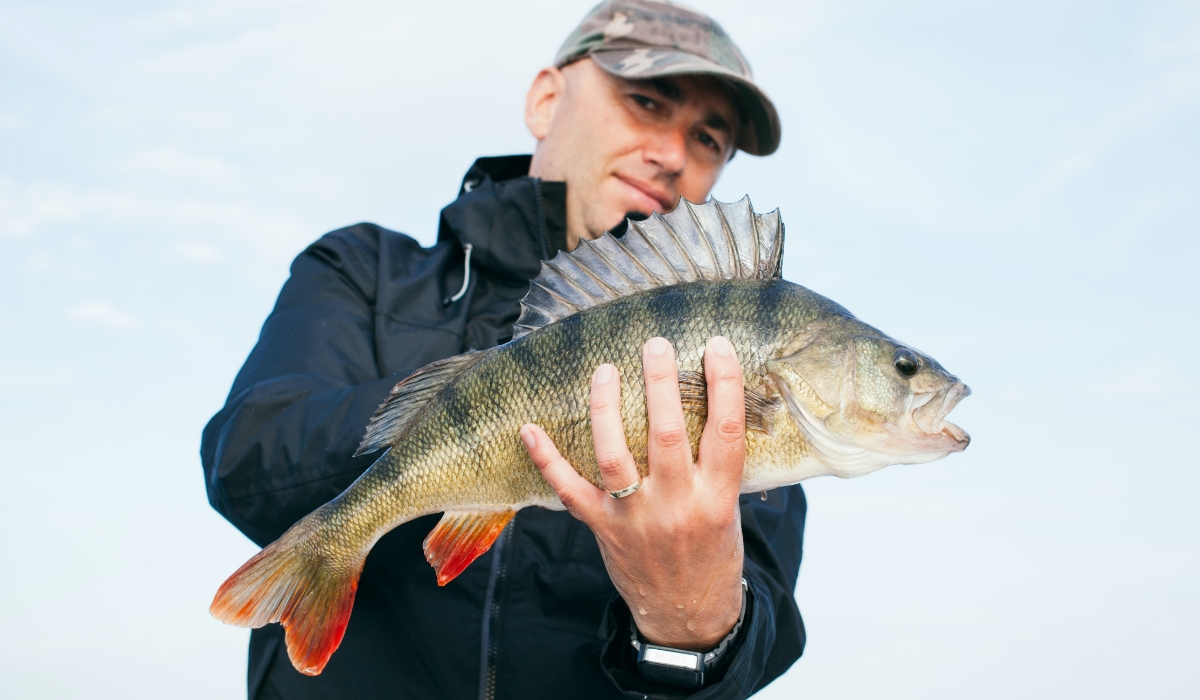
{"type": "Point", "coordinates": [656, 373]}
{"type": "Point", "coordinates": [659, 369]}
{"type": "Point", "coordinates": [729, 371]}
{"type": "Point", "coordinates": [731, 429]}
{"type": "Point", "coordinates": [601, 403]}
{"type": "Point", "coordinates": [569, 501]}
{"type": "Point", "coordinates": [610, 463]}
{"type": "Point", "coordinates": [540, 459]}
{"type": "Point", "coordinates": [670, 436]}
{"type": "Point", "coordinates": [680, 529]}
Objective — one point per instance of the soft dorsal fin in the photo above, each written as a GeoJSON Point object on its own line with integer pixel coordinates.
{"type": "Point", "coordinates": [710, 241]}
{"type": "Point", "coordinates": [410, 397]}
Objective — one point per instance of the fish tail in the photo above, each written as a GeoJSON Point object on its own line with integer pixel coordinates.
{"type": "Point", "coordinates": [299, 585]}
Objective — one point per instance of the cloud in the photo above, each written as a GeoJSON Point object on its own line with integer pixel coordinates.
{"type": "Point", "coordinates": [102, 313]}
{"type": "Point", "coordinates": [25, 209]}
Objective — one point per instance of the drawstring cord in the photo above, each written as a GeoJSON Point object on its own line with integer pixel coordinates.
{"type": "Point", "coordinates": [466, 276]}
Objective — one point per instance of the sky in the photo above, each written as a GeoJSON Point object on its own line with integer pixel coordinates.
{"type": "Point", "coordinates": [1011, 187]}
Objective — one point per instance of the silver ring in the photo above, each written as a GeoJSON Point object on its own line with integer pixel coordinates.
{"type": "Point", "coordinates": [628, 490]}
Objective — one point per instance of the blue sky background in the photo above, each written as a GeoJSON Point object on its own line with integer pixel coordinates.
{"type": "Point", "coordinates": [1012, 187]}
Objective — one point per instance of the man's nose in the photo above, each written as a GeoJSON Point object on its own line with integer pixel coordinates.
{"type": "Point", "coordinates": [668, 150]}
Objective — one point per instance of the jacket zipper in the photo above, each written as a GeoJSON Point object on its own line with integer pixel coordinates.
{"type": "Point", "coordinates": [541, 217]}
{"type": "Point", "coordinates": [489, 644]}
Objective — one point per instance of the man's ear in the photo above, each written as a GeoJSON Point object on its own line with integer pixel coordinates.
{"type": "Point", "coordinates": [543, 100]}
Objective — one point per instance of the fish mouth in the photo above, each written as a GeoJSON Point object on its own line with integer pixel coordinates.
{"type": "Point", "coordinates": [929, 414]}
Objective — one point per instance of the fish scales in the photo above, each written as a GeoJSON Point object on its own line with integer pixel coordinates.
{"type": "Point", "coordinates": [826, 394]}
{"type": "Point", "coordinates": [465, 450]}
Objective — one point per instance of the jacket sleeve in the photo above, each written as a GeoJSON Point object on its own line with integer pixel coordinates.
{"type": "Point", "coordinates": [772, 635]}
{"type": "Point", "coordinates": [282, 444]}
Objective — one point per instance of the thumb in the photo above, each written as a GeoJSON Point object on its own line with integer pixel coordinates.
{"type": "Point", "coordinates": [578, 495]}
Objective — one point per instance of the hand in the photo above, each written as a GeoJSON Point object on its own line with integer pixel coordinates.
{"type": "Point", "coordinates": [674, 548]}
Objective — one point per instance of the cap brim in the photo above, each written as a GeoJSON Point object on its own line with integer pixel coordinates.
{"type": "Point", "coordinates": [759, 132]}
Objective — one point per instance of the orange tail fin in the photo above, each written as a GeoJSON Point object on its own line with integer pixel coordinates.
{"type": "Point", "coordinates": [310, 595]}
{"type": "Point", "coordinates": [461, 537]}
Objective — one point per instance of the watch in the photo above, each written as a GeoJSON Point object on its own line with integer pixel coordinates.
{"type": "Point", "coordinates": [683, 667]}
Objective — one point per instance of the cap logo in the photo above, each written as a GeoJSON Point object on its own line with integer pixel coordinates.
{"type": "Point", "coordinates": [618, 27]}
{"type": "Point", "coordinates": [636, 63]}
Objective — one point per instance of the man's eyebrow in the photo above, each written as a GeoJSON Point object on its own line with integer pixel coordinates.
{"type": "Point", "coordinates": [716, 121]}
{"type": "Point", "coordinates": [667, 89]}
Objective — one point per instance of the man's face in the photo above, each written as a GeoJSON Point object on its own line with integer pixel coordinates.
{"type": "Point", "coordinates": [627, 146]}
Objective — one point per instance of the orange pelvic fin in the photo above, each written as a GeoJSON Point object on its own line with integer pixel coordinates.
{"type": "Point", "coordinates": [310, 595]}
{"type": "Point", "coordinates": [462, 536]}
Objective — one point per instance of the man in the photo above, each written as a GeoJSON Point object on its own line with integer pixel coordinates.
{"type": "Point", "coordinates": [646, 103]}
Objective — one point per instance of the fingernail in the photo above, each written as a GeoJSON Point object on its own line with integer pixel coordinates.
{"type": "Point", "coordinates": [604, 375]}
{"type": "Point", "coordinates": [657, 346]}
{"type": "Point", "coordinates": [721, 346]}
{"type": "Point", "coordinates": [528, 437]}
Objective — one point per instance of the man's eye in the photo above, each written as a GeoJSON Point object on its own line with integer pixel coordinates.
{"type": "Point", "coordinates": [708, 141]}
{"type": "Point", "coordinates": [645, 102]}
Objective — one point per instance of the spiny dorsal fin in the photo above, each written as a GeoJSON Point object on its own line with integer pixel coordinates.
{"type": "Point", "coordinates": [410, 397]}
{"type": "Point", "coordinates": [710, 241]}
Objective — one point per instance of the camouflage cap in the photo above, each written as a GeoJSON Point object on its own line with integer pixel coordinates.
{"type": "Point", "coordinates": [640, 39]}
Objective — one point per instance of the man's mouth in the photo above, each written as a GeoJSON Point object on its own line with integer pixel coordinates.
{"type": "Point", "coordinates": [647, 198]}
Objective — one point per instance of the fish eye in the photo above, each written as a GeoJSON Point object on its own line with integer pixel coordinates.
{"type": "Point", "coordinates": [906, 362]}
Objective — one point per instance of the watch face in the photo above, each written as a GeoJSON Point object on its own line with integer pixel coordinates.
{"type": "Point", "coordinates": [684, 669]}
{"type": "Point", "coordinates": [672, 658]}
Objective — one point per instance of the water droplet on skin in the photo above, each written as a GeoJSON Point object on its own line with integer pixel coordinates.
{"type": "Point", "coordinates": [641, 610]}
{"type": "Point", "coordinates": [641, 591]}
{"type": "Point", "coordinates": [691, 626]}
{"type": "Point", "coordinates": [693, 602]}
{"type": "Point", "coordinates": [679, 605]}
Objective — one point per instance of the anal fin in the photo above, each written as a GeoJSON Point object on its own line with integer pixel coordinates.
{"type": "Point", "coordinates": [460, 537]}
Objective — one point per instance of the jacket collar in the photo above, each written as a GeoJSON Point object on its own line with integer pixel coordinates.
{"type": "Point", "coordinates": [511, 220]}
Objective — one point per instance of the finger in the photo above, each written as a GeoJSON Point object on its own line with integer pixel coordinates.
{"type": "Point", "coordinates": [723, 444]}
{"type": "Point", "coordinates": [616, 464]}
{"type": "Point", "coordinates": [670, 454]}
{"type": "Point", "coordinates": [579, 496]}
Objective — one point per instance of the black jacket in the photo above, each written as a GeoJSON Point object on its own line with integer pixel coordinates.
{"type": "Point", "coordinates": [537, 616]}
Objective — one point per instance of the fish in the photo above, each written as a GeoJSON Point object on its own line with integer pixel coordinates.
{"type": "Point", "coordinates": [826, 394]}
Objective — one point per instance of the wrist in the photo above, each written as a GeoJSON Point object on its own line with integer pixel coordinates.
{"type": "Point", "coordinates": [697, 623]}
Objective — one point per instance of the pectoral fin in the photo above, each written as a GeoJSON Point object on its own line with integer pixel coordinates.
{"type": "Point", "coordinates": [693, 390]}
{"type": "Point", "coordinates": [460, 537]}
